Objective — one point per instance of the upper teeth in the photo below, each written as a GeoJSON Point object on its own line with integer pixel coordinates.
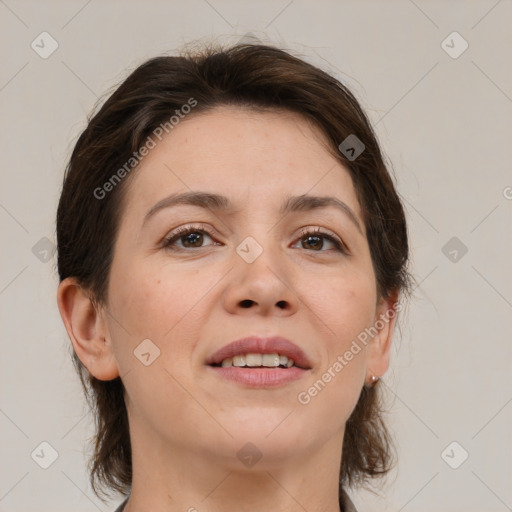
{"type": "Point", "coordinates": [268, 360]}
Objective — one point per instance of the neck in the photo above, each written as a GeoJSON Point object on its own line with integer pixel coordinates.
{"type": "Point", "coordinates": [177, 478]}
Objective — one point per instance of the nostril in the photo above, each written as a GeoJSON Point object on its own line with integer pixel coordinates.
{"type": "Point", "coordinates": [246, 303]}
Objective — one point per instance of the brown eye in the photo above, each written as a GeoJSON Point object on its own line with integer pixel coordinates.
{"type": "Point", "coordinates": [314, 240]}
{"type": "Point", "coordinates": [188, 238]}
{"type": "Point", "coordinates": [194, 238]}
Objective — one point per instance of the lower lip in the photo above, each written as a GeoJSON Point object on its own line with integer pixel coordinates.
{"type": "Point", "coordinates": [260, 377]}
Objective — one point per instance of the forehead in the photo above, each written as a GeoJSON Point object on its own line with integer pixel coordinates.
{"type": "Point", "coordinates": [243, 154]}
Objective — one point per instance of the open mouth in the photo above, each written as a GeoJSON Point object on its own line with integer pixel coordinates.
{"type": "Point", "coordinates": [255, 370]}
{"type": "Point", "coordinates": [253, 361]}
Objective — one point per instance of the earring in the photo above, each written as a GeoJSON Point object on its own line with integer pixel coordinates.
{"type": "Point", "coordinates": [375, 378]}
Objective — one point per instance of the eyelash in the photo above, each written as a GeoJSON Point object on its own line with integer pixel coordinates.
{"type": "Point", "coordinates": [186, 230]}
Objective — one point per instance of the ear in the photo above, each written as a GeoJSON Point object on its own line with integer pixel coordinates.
{"type": "Point", "coordinates": [380, 346]}
{"type": "Point", "coordinates": [87, 330]}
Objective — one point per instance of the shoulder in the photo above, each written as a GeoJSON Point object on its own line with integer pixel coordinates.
{"type": "Point", "coordinates": [120, 508]}
{"type": "Point", "coordinates": [346, 502]}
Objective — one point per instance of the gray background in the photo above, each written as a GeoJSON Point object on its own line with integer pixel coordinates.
{"type": "Point", "coordinates": [444, 123]}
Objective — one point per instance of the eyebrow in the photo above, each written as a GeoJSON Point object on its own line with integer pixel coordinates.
{"type": "Point", "coordinates": [216, 202]}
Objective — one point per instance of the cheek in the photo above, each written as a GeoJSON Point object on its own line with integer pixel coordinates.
{"type": "Point", "coordinates": [333, 390]}
{"type": "Point", "coordinates": [346, 304]}
{"type": "Point", "coordinates": [151, 298]}
{"type": "Point", "coordinates": [160, 304]}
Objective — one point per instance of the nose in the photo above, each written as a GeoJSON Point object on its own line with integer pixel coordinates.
{"type": "Point", "coordinates": [263, 286]}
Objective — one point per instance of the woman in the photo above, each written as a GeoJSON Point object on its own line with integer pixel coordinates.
{"type": "Point", "coordinates": [231, 251]}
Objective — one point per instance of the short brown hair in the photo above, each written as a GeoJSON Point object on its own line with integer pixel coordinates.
{"type": "Point", "coordinates": [257, 76]}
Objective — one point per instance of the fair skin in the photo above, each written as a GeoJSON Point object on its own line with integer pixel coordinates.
{"type": "Point", "coordinates": [186, 423]}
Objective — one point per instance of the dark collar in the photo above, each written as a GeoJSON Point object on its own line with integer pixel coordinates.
{"type": "Point", "coordinates": [346, 503]}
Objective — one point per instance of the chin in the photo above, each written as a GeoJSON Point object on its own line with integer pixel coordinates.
{"type": "Point", "coordinates": [279, 432]}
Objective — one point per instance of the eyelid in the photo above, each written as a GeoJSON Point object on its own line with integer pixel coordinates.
{"type": "Point", "coordinates": [319, 230]}
{"type": "Point", "coordinates": [304, 231]}
{"type": "Point", "coordinates": [182, 230]}
{"type": "Point", "coordinates": [326, 233]}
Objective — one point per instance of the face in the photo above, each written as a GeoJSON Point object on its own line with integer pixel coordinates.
{"type": "Point", "coordinates": [310, 280]}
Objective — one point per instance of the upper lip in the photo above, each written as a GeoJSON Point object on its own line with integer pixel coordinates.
{"type": "Point", "coordinates": [257, 345]}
